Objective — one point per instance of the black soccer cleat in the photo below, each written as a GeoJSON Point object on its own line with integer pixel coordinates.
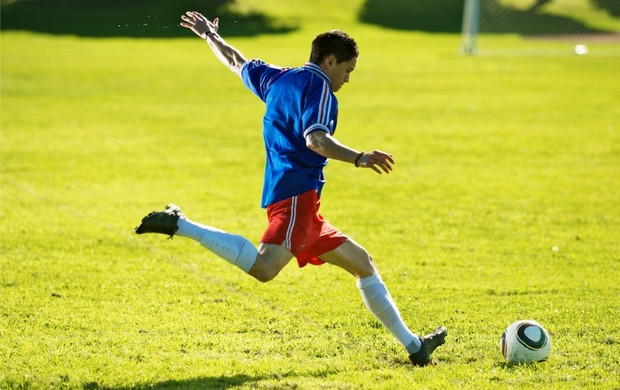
{"type": "Point", "coordinates": [429, 343]}
{"type": "Point", "coordinates": [163, 222]}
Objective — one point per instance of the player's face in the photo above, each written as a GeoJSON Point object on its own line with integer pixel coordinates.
{"type": "Point", "coordinates": [338, 73]}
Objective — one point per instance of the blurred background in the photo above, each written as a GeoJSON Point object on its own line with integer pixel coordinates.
{"type": "Point", "coordinates": [159, 18]}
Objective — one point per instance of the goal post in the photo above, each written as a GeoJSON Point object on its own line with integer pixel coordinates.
{"type": "Point", "coordinates": [471, 23]}
{"type": "Point", "coordinates": [542, 27]}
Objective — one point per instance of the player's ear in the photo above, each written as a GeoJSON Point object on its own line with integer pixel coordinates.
{"type": "Point", "coordinates": [329, 61]}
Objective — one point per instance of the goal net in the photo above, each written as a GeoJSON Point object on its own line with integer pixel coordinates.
{"type": "Point", "coordinates": [545, 26]}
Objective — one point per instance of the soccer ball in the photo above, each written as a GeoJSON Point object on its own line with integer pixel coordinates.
{"type": "Point", "coordinates": [581, 50]}
{"type": "Point", "coordinates": [525, 341]}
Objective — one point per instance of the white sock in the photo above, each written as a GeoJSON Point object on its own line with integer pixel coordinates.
{"type": "Point", "coordinates": [380, 303]}
{"type": "Point", "coordinates": [231, 247]}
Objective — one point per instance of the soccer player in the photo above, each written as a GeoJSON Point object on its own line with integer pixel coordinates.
{"type": "Point", "coordinates": [298, 131]}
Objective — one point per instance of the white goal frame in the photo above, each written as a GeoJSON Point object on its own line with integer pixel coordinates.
{"type": "Point", "coordinates": [471, 24]}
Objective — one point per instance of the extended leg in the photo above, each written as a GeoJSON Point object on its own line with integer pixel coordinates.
{"type": "Point", "coordinates": [356, 260]}
{"type": "Point", "coordinates": [263, 264]}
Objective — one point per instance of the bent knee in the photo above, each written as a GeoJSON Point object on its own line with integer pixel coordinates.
{"type": "Point", "coordinates": [362, 267]}
{"type": "Point", "coordinates": [263, 273]}
{"type": "Point", "coordinates": [366, 268]}
{"type": "Point", "coordinates": [269, 262]}
{"type": "Point", "coordinates": [264, 277]}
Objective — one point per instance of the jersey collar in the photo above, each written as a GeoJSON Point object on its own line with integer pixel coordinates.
{"type": "Point", "coordinates": [317, 69]}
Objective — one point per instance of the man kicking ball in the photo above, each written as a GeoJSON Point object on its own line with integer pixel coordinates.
{"type": "Point", "coordinates": [298, 130]}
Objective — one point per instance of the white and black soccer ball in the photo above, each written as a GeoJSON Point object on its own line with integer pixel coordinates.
{"type": "Point", "coordinates": [525, 341]}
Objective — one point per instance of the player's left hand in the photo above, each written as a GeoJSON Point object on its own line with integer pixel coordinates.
{"type": "Point", "coordinates": [377, 160]}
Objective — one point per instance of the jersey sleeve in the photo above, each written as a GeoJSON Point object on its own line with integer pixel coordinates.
{"type": "Point", "coordinates": [320, 110]}
{"type": "Point", "coordinates": [258, 76]}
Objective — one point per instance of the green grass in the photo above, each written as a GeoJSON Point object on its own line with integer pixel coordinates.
{"type": "Point", "coordinates": [499, 159]}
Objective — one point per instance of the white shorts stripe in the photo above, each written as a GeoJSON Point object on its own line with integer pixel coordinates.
{"type": "Point", "coordinates": [291, 223]}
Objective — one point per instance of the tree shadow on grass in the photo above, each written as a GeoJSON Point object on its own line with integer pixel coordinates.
{"type": "Point", "coordinates": [446, 16]}
{"type": "Point", "coordinates": [422, 15]}
{"type": "Point", "coordinates": [498, 18]}
{"type": "Point", "coordinates": [612, 7]}
{"type": "Point", "coordinates": [136, 18]}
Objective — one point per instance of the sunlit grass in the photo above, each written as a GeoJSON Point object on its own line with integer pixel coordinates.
{"type": "Point", "coordinates": [499, 160]}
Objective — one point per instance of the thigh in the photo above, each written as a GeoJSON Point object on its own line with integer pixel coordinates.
{"type": "Point", "coordinates": [352, 257]}
{"type": "Point", "coordinates": [274, 254]}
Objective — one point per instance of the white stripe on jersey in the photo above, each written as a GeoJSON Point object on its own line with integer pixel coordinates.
{"type": "Point", "coordinates": [325, 104]}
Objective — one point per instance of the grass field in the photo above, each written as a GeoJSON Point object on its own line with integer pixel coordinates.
{"type": "Point", "coordinates": [504, 205]}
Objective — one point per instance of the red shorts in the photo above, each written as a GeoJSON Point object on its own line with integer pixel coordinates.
{"type": "Point", "coordinates": [296, 223]}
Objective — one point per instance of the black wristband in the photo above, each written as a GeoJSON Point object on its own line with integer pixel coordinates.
{"type": "Point", "coordinates": [357, 159]}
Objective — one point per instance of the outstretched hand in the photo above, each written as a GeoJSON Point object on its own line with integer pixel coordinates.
{"type": "Point", "coordinates": [377, 161]}
{"type": "Point", "coordinates": [199, 24]}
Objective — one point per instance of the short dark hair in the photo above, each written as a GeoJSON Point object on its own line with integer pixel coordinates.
{"type": "Point", "coordinates": [336, 42]}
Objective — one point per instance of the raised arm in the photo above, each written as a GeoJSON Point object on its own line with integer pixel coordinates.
{"type": "Point", "coordinates": [327, 146]}
{"type": "Point", "coordinates": [207, 29]}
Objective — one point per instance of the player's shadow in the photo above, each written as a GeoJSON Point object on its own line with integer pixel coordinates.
{"type": "Point", "coordinates": [136, 18]}
{"type": "Point", "coordinates": [446, 16]}
{"type": "Point", "coordinates": [220, 382]}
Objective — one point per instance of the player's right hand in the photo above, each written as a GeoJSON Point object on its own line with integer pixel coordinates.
{"type": "Point", "coordinates": [199, 24]}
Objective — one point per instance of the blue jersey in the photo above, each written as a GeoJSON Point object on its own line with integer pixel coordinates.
{"type": "Point", "coordinates": [298, 102]}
